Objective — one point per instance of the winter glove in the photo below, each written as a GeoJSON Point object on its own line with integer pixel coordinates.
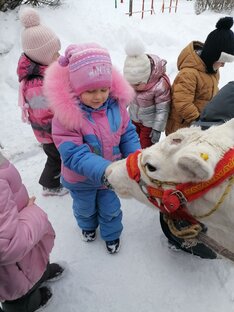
{"type": "Point", "coordinates": [155, 136]}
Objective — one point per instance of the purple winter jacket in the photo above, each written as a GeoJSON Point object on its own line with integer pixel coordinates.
{"type": "Point", "coordinates": [26, 236]}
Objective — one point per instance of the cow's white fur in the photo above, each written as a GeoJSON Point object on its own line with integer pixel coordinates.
{"type": "Point", "coordinates": [178, 158]}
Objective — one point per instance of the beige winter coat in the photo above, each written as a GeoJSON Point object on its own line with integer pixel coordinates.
{"type": "Point", "coordinates": [192, 88]}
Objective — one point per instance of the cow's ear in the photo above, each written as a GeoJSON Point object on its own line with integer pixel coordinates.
{"type": "Point", "coordinates": [195, 168]}
{"type": "Point", "coordinates": [176, 139]}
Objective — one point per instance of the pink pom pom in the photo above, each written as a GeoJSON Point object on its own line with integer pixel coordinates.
{"type": "Point", "coordinates": [29, 17]}
{"type": "Point", "coordinates": [63, 61]}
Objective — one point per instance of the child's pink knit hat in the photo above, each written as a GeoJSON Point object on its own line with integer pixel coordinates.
{"type": "Point", "coordinates": [89, 66]}
{"type": "Point", "coordinates": [39, 42]}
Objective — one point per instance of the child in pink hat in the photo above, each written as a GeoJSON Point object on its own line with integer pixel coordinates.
{"type": "Point", "coordinates": [91, 129]}
{"type": "Point", "coordinates": [41, 47]}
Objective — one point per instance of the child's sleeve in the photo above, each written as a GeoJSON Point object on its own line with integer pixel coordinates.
{"type": "Point", "coordinates": [77, 155]}
{"type": "Point", "coordinates": [162, 104]}
{"type": "Point", "coordinates": [19, 231]}
{"type": "Point", "coordinates": [39, 113]}
{"type": "Point", "coordinates": [22, 103]}
{"type": "Point", "coordinates": [184, 90]}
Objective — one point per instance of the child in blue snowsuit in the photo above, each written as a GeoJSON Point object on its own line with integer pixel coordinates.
{"type": "Point", "coordinates": [91, 129]}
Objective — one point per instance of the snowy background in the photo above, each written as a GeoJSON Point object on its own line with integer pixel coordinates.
{"type": "Point", "coordinates": [145, 276]}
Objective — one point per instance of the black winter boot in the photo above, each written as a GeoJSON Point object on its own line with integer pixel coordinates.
{"type": "Point", "coordinates": [34, 301]}
{"type": "Point", "coordinates": [55, 272]}
{"type": "Point", "coordinates": [46, 295]}
{"type": "Point", "coordinates": [113, 246]}
{"type": "Point", "coordinates": [88, 236]}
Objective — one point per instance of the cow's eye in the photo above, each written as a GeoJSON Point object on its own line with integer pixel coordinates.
{"type": "Point", "coordinates": [150, 167]}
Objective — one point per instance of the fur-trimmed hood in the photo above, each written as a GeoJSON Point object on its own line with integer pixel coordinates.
{"type": "Point", "coordinates": [63, 101]}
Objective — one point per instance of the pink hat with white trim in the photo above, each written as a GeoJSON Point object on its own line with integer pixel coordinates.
{"type": "Point", "coordinates": [89, 65]}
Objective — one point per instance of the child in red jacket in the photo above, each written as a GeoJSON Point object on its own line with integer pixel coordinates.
{"type": "Point", "coordinates": [41, 46]}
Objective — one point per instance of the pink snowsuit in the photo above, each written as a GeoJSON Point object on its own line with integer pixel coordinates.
{"type": "Point", "coordinates": [26, 236]}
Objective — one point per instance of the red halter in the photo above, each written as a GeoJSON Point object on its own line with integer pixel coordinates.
{"type": "Point", "coordinates": [169, 201]}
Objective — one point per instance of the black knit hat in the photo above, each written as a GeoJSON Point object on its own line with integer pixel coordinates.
{"type": "Point", "coordinates": [219, 40]}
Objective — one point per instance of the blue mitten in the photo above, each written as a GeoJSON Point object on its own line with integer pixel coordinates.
{"type": "Point", "coordinates": [155, 136]}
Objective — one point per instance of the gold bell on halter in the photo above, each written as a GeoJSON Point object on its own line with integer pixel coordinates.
{"type": "Point", "coordinates": [204, 156]}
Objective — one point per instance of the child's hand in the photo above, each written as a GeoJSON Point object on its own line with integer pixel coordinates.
{"type": "Point", "coordinates": [106, 182]}
{"type": "Point", "coordinates": [31, 201]}
{"type": "Point", "coordinates": [155, 136]}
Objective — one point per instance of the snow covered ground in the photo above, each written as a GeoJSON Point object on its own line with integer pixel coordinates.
{"type": "Point", "coordinates": [145, 276]}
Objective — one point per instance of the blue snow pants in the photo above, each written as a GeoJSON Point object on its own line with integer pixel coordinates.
{"type": "Point", "coordinates": [95, 207]}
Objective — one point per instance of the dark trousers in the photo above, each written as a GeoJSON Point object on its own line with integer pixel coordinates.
{"type": "Point", "coordinates": [50, 176]}
{"type": "Point", "coordinates": [144, 134]}
{"type": "Point", "coordinates": [30, 301]}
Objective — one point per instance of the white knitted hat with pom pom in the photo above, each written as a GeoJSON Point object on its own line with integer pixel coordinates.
{"type": "Point", "coordinates": [39, 42]}
{"type": "Point", "coordinates": [137, 66]}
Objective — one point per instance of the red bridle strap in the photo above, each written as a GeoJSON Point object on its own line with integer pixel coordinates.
{"type": "Point", "coordinates": [173, 199]}
{"type": "Point", "coordinates": [132, 166]}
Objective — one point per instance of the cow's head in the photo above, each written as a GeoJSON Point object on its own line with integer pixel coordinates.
{"type": "Point", "coordinates": [188, 155]}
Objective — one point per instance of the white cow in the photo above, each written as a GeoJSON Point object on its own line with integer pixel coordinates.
{"type": "Point", "coordinates": [188, 155]}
